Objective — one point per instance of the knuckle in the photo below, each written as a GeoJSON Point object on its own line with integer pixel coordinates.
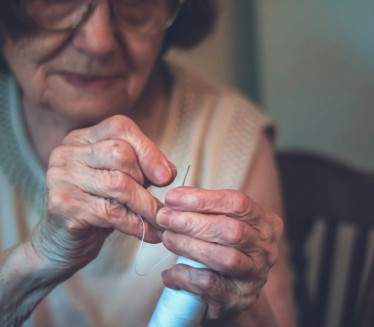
{"type": "Point", "coordinates": [115, 181]}
{"type": "Point", "coordinates": [179, 274]}
{"type": "Point", "coordinates": [73, 137]}
{"type": "Point", "coordinates": [62, 156]}
{"type": "Point", "coordinates": [178, 270]}
{"type": "Point", "coordinates": [273, 256]}
{"type": "Point", "coordinates": [70, 136]}
{"type": "Point", "coordinates": [112, 210]}
{"type": "Point", "coordinates": [272, 231]}
{"type": "Point", "coordinates": [207, 280]}
{"type": "Point", "coordinates": [119, 151]}
{"type": "Point", "coordinates": [235, 232]}
{"type": "Point", "coordinates": [267, 234]}
{"type": "Point", "coordinates": [232, 260]}
{"type": "Point", "coordinates": [241, 204]}
{"type": "Point", "coordinates": [57, 199]}
{"type": "Point", "coordinates": [55, 174]}
{"type": "Point", "coordinates": [59, 156]}
{"type": "Point", "coordinates": [118, 124]}
{"type": "Point", "coordinates": [188, 224]}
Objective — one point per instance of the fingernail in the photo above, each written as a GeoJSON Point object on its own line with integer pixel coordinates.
{"type": "Point", "coordinates": [172, 166]}
{"type": "Point", "coordinates": [174, 170]}
{"type": "Point", "coordinates": [163, 217]}
{"type": "Point", "coordinates": [162, 174]}
{"type": "Point", "coordinates": [168, 282]}
{"type": "Point", "coordinates": [174, 195]}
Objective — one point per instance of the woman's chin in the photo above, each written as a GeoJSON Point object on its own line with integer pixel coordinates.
{"type": "Point", "coordinates": [85, 113]}
{"type": "Point", "coordinates": [91, 106]}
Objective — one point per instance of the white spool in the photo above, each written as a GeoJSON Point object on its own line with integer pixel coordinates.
{"type": "Point", "coordinates": [178, 307]}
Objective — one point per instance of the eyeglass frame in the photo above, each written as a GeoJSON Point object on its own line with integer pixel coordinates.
{"type": "Point", "coordinates": [88, 11]}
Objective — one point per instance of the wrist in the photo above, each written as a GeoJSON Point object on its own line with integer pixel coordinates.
{"type": "Point", "coordinates": [26, 278]}
{"type": "Point", "coordinates": [65, 251]}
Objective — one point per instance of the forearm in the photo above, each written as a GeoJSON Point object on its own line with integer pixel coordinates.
{"type": "Point", "coordinates": [25, 279]}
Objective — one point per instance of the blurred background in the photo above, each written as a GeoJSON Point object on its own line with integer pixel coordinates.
{"type": "Point", "coordinates": [309, 65]}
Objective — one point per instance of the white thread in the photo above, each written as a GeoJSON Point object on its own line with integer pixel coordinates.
{"type": "Point", "coordinates": [142, 241]}
{"type": "Point", "coordinates": [138, 254]}
{"type": "Point", "coordinates": [175, 307]}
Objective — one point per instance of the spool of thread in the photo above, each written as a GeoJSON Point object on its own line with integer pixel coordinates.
{"type": "Point", "coordinates": [178, 307]}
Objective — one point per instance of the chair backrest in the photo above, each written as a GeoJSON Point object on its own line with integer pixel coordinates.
{"type": "Point", "coordinates": [317, 189]}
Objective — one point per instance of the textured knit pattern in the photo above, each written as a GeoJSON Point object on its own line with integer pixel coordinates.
{"type": "Point", "coordinates": [12, 161]}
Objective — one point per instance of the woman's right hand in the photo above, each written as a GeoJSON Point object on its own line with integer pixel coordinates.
{"type": "Point", "coordinates": [96, 182]}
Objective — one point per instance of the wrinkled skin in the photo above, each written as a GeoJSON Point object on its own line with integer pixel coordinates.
{"type": "Point", "coordinates": [96, 183]}
{"type": "Point", "coordinates": [229, 233]}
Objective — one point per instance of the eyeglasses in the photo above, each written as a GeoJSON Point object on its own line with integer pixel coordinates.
{"type": "Point", "coordinates": [141, 16]}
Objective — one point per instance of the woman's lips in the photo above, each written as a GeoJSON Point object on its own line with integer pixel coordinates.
{"type": "Point", "coordinates": [89, 81]}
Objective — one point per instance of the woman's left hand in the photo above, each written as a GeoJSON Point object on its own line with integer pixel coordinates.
{"type": "Point", "coordinates": [229, 233]}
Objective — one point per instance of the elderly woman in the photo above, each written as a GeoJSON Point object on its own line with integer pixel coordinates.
{"type": "Point", "coordinates": [93, 123]}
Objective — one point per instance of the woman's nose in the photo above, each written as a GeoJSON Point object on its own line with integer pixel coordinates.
{"type": "Point", "coordinates": [97, 35]}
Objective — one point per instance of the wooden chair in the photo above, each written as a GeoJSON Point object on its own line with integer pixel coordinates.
{"type": "Point", "coordinates": [316, 187]}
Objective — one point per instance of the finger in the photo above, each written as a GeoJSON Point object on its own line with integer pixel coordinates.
{"type": "Point", "coordinates": [226, 260]}
{"type": "Point", "coordinates": [210, 228]}
{"type": "Point", "coordinates": [228, 202]}
{"type": "Point", "coordinates": [221, 293]}
{"type": "Point", "coordinates": [109, 154]}
{"type": "Point", "coordinates": [90, 211]}
{"type": "Point", "coordinates": [110, 185]}
{"type": "Point", "coordinates": [123, 219]}
{"type": "Point", "coordinates": [152, 161]}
